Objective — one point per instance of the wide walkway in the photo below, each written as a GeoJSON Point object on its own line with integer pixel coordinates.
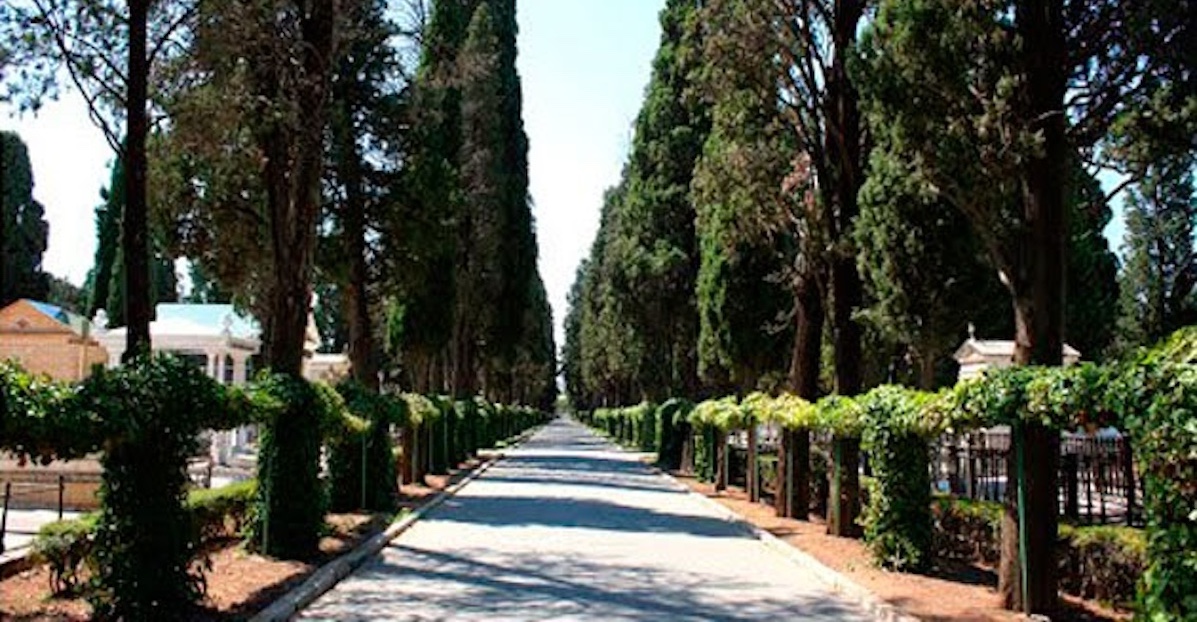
{"type": "Point", "coordinates": [570, 528]}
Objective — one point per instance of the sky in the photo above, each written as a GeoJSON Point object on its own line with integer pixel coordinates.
{"type": "Point", "coordinates": [584, 64]}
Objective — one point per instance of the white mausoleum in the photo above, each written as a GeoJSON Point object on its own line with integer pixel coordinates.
{"type": "Point", "coordinates": [977, 355]}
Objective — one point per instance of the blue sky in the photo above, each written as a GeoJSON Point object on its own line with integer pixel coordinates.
{"type": "Point", "coordinates": [584, 64]}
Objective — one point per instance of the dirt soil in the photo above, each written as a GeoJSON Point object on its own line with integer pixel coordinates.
{"type": "Point", "coordinates": [959, 592]}
{"type": "Point", "coordinates": [239, 583]}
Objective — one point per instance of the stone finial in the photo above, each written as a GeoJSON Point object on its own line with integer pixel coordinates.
{"type": "Point", "coordinates": [972, 331]}
{"type": "Point", "coordinates": [100, 320]}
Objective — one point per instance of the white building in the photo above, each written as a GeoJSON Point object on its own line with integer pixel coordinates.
{"type": "Point", "coordinates": [977, 355]}
{"type": "Point", "coordinates": [224, 342]}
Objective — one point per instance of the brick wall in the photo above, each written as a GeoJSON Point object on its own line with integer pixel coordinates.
{"type": "Point", "coordinates": [38, 490]}
{"type": "Point", "coordinates": [62, 357]}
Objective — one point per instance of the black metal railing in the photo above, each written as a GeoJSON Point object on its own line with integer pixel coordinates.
{"type": "Point", "coordinates": [18, 491]}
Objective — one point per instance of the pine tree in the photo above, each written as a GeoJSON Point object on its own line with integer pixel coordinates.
{"type": "Point", "coordinates": [1159, 281]}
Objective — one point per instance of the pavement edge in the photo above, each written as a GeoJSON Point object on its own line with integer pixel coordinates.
{"type": "Point", "coordinates": [330, 574]}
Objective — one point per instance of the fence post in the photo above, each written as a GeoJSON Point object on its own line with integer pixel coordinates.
{"type": "Point", "coordinates": [61, 493]}
{"type": "Point", "coordinates": [1128, 476]}
{"type": "Point", "coordinates": [4, 514]}
{"type": "Point", "coordinates": [1072, 499]}
{"type": "Point", "coordinates": [752, 480]}
{"type": "Point", "coordinates": [970, 479]}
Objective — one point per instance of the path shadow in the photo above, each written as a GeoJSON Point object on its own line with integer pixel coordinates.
{"type": "Point", "coordinates": [419, 584]}
{"type": "Point", "coordinates": [599, 514]}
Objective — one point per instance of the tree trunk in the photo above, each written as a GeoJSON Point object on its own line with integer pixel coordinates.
{"type": "Point", "coordinates": [752, 479]}
{"type": "Point", "coordinates": [721, 474]}
{"type": "Point", "coordinates": [294, 173]}
{"type": "Point", "coordinates": [926, 363]}
{"type": "Point", "coordinates": [353, 220]}
{"type": "Point", "coordinates": [805, 362]}
{"type": "Point", "coordinates": [135, 236]}
{"type": "Point", "coordinates": [1038, 290]}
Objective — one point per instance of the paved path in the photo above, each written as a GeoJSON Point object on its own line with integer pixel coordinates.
{"type": "Point", "coordinates": [570, 528]}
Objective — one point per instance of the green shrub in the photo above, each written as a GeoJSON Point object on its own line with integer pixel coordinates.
{"type": "Point", "coordinates": [291, 499]}
{"type": "Point", "coordinates": [63, 546]}
{"type": "Point", "coordinates": [1102, 563]}
{"type": "Point", "coordinates": [150, 412]}
{"type": "Point", "coordinates": [897, 519]}
{"type": "Point", "coordinates": [705, 438]}
{"type": "Point", "coordinates": [40, 418]}
{"type": "Point", "coordinates": [362, 470]}
{"type": "Point", "coordinates": [967, 530]}
{"type": "Point", "coordinates": [221, 512]}
{"type": "Point", "coordinates": [1159, 404]}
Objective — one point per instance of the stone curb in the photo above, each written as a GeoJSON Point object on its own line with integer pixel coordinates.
{"type": "Point", "coordinates": [861, 597]}
{"type": "Point", "coordinates": [328, 575]}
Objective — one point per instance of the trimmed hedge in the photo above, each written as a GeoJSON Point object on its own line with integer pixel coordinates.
{"type": "Point", "coordinates": [224, 512]}
{"type": "Point", "coordinates": [897, 520]}
{"type": "Point", "coordinates": [291, 500]}
{"type": "Point", "coordinates": [67, 545]}
{"type": "Point", "coordinates": [1102, 563]}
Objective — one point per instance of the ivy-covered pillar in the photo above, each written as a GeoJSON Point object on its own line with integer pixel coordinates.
{"type": "Point", "coordinates": [843, 507]}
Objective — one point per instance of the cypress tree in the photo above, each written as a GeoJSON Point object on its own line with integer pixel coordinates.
{"type": "Point", "coordinates": [23, 229]}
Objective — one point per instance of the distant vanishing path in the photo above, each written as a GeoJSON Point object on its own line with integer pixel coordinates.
{"type": "Point", "coordinates": [570, 528]}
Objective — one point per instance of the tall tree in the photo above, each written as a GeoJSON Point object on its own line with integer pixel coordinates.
{"type": "Point", "coordinates": [925, 273]}
{"type": "Point", "coordinates": [992, 100]}
{"type": "Point", "coordinates": [1159, 282]}
{"type": "Point", "coordinates": [265, 98]}
{"type": "Point", "coordinates": [365, 120]}
{"type": "Point", "coordinates": [481, 219]}
{"type": "Point", "coordinates": [743, 294]}
{"type": "Point", "coordinates": [655, 245]}
{"type": "Point", "coordinates": [419, 241]}
{"type": "Point", "coordinates": [104, 49]}
{"type": "Point", "coordinates": [818, 43]}
{"type": "Point", "coordinates": [108, 231]}
{"type": "Point", "coordinates": [23, 229]}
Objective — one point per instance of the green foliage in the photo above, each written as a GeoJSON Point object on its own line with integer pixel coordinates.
{"type": "Point", "coordinates": [291, 498]}
{"type": "Point", "coordinates": [789, 411]}
{"type": "Point", "coordinates": [149, 412]}
{"type": "Point", "coordinates": [723, 414]}
{"type": "Point", "coordinates": [897, 519]}
{"type": "Point", "coordinates": [705, 438]}
{"type": "Point", "coordinates": [1102, 563]}
{"type": "Point", "coordinates": [967, 530]}
{"type": "Point", "coordinates": [672, 430]}
{"type": "Point", "coordinates": [64, 545]}
{"type": "Point", "coordinates": [39, 419]}
{"type": "Point", "coordinates": [370, 458]}
{"type": "Point", "coordinates": [839, 415]}
{"type": "Point", "coordinates": [1160, 405]}
{"type": "Point", "coordinates": [1158, 284]}
{"type": "Point", "coordinates": [222, 512]}
{"type": "Point", "coordinates": [24, 232]}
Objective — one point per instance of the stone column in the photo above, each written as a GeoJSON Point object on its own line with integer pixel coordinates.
{"type": "Point", "coordinates": [239, 370]}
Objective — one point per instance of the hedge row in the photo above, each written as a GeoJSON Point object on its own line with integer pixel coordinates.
{"type": "Point", "coordinates": [66, 546]}
{"type": "Point", "coordinates": [1102, 563]}
{"type": "Point", "coordinates": [144, 419]}
{"type": "Point", "coordinates": [1153, 399]}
